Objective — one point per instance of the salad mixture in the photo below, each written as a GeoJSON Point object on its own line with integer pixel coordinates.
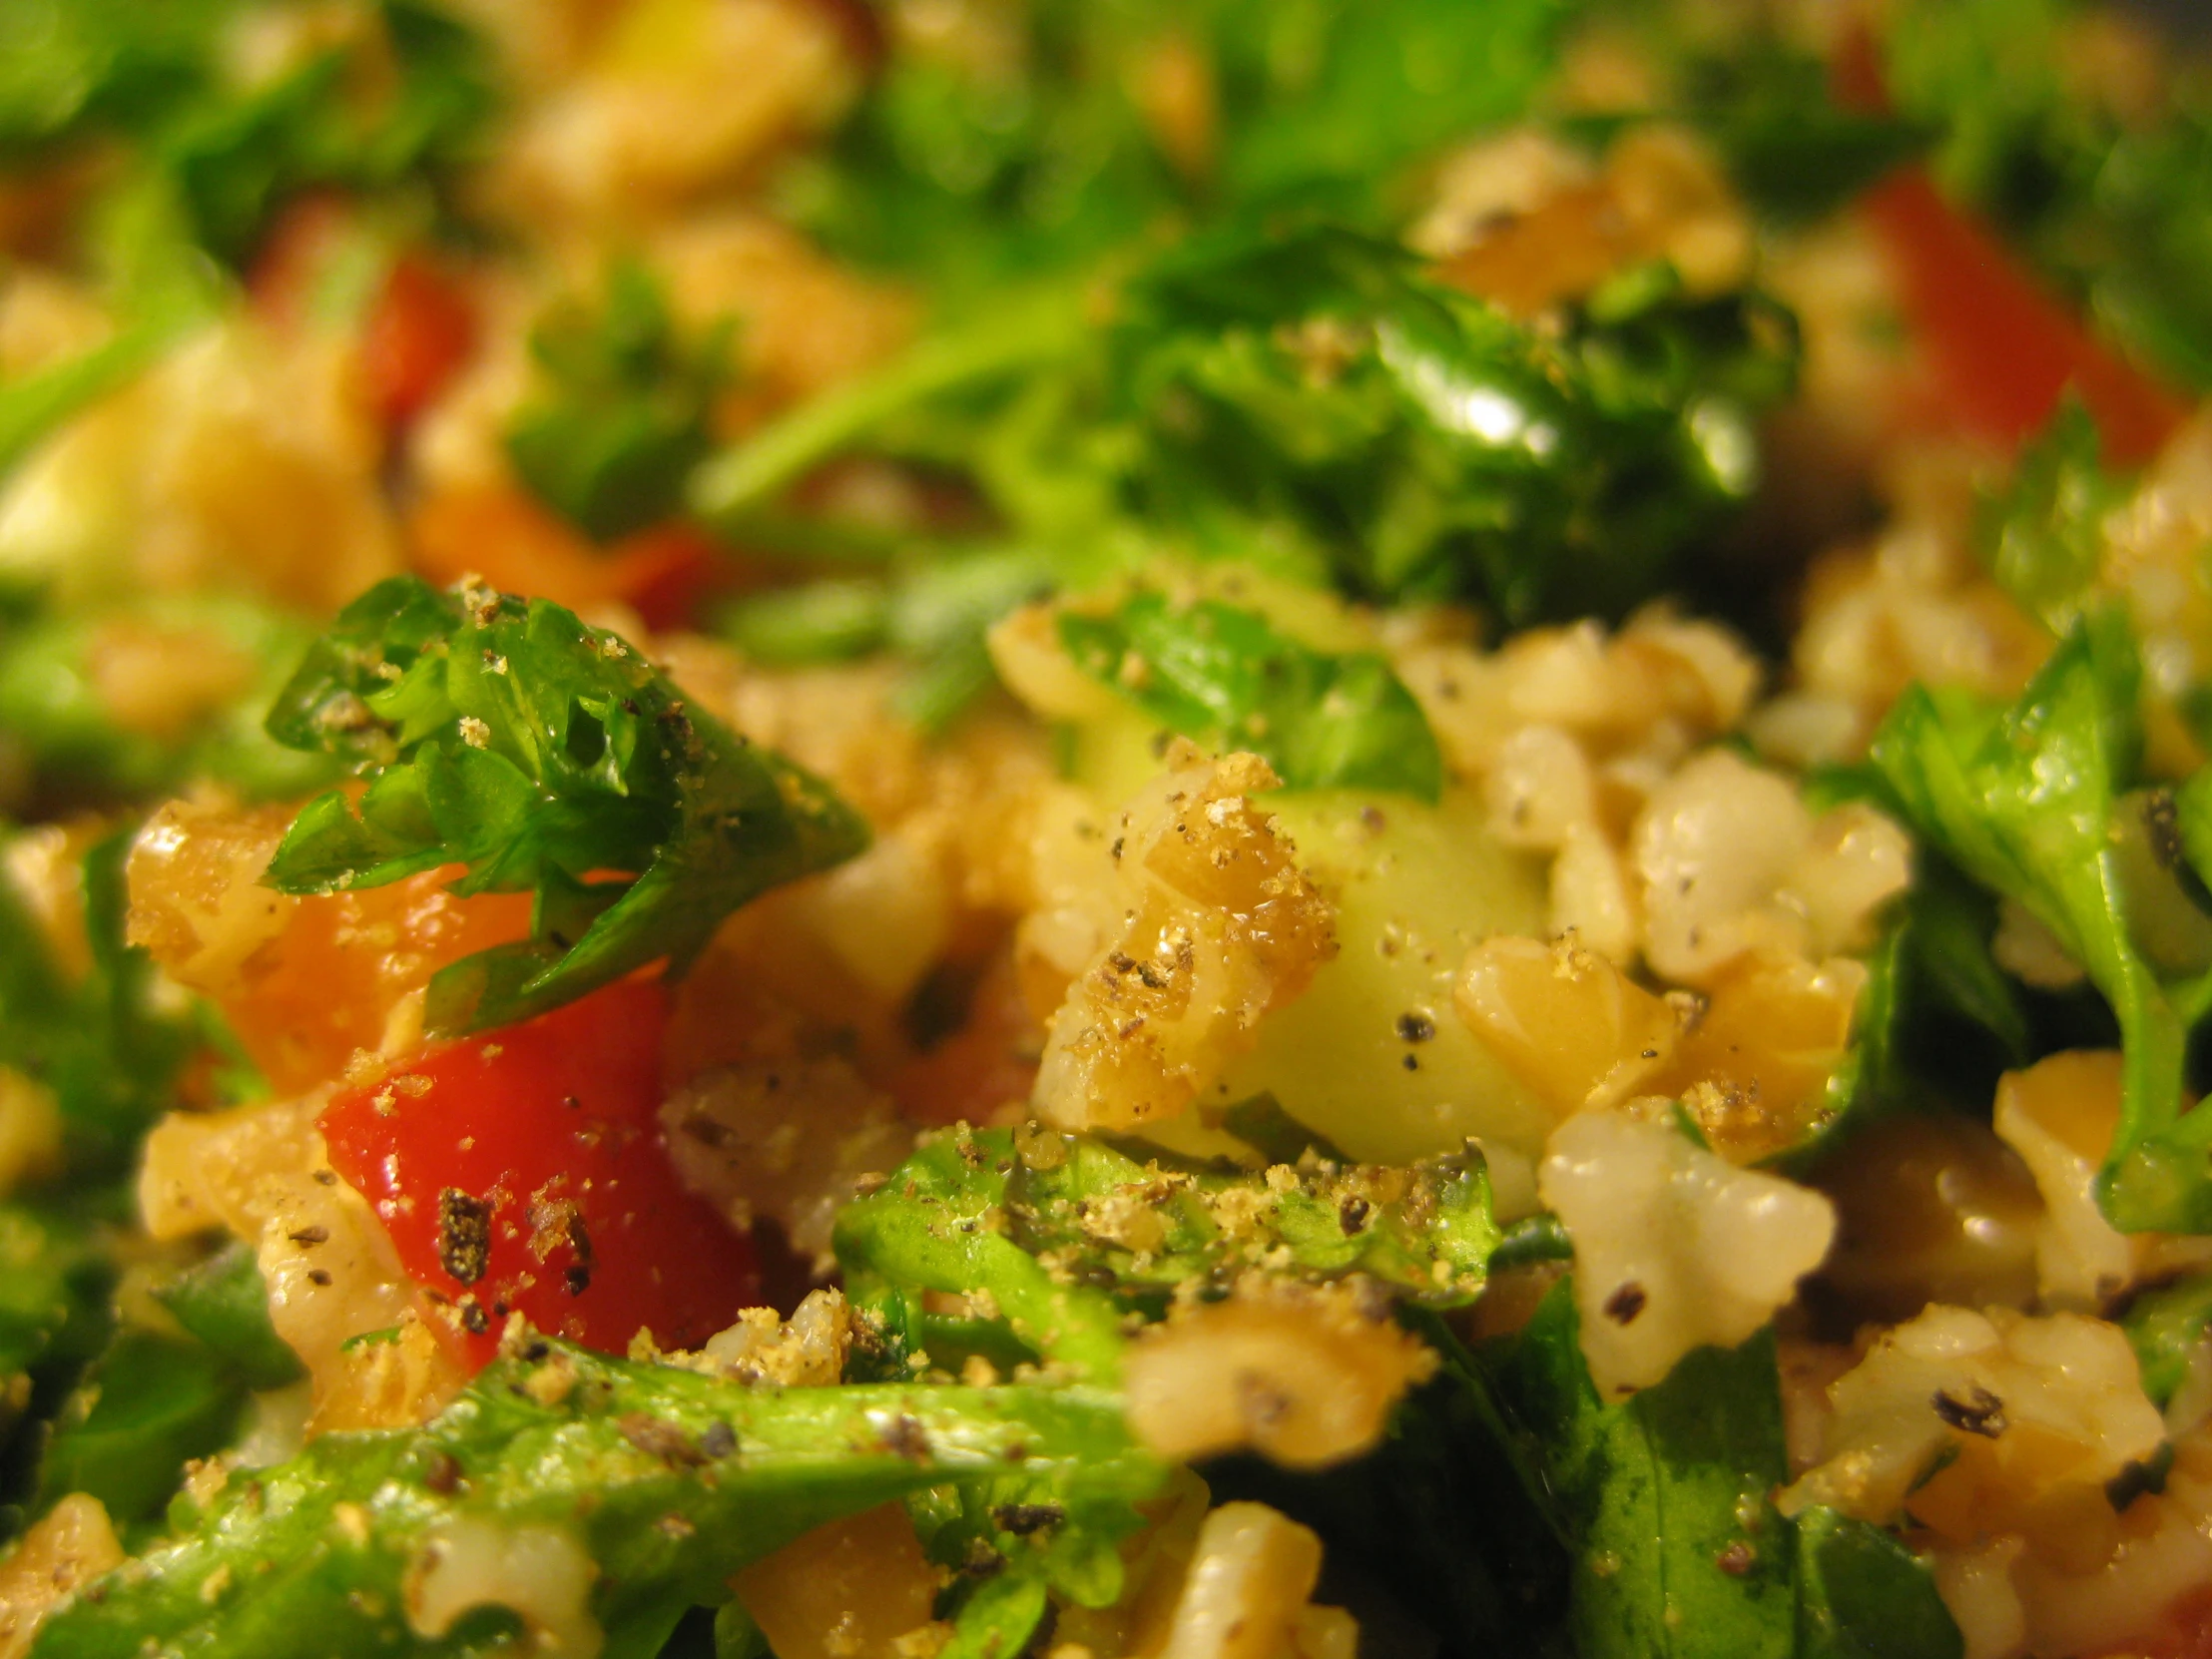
{"type": "Point", "coordinates": [1104, 830]}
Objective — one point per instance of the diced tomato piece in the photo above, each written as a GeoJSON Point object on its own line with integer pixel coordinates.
{"type": "Point", "coordinates": [325, 987]}
{"type": "Point", "coordinates": [415, 332]}
{"type": "Point", "coordinates": [418, 334]}
{"type": "Point", "coordinates": [525, 1171]}
{"type": "Point", "coordinates": [519, 546]}
{"type": "Point", "coordinates": [302, 995]}
{"type": "Point", "coordinates": [2002, 351]}
{"type": "Point", "coordinates": [666, 571]}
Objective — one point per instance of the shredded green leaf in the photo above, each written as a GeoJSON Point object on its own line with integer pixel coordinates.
{"type": "Point", "coordinates": [623, 417]}
{"type": "Point", "coordinates": [1226, 676]}
{"type": "Point", "coordinates": [2043, 537]}
{"type": "Point", "coordinates": [973, 170]}
{"type": "Point", "coordinates": [1301, 398]}
{"type": "Point", "coordinates": [2167, 1328]}
{"type": "Point", "coordinates": [667, 1479]}
{"type": "Point", "coordinates": [549, 758]}
{"type": "Point", "coordinates": [2024, 800]}
{"type": "Point", "coordinates": [1424, 1233]}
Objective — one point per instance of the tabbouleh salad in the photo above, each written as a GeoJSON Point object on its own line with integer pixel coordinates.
{"type": "Point", "coordinates": [1136, 830]}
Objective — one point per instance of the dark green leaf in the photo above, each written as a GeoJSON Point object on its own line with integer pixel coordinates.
{"type": "Point", "coordinates": [2109, 200]}
{"type": "Point", "coordinates": [224, 1301]}
{"type": "Point", "coordinates": [231, 162]}
{"type": "Point", "coordinates": [2043, 538]}
{"type": "Point", "coordinates": [101, 1041]}
{"type": "Point", "coordinates": [1949, 928]}
{"type": "Point", "coordinates": [1451, 1512]}
{"type": "Point", "coordinates": [1539, 1238]}
{"type": "Point", "coordinates": [2022, 800]}
{"type": "Point", "coordinates": [622, 419]}
{"type": "Point", "coordinates": [2167, 1327]}
{"type": "Point", "coordinates": [67, 65]}
{"type": "Point", "coordinates": [1798, 165]}
{"type": "Point", "coordinates": [229, 156]}
{"type": "Point", "coordinates": [1766, 105]}
{"type": "Point", "coordinates": [503, 734]}
{"type": "Point", "coordinates": [1936, 1022]}
{"type": "Point", "coordinates": [1262, 1124]}
{"type": "Point", "coordinates": [605, 1452]}
{"type": "Point", "coordinates": [972, 169]}
{"type": "Point", "coordinates": [1677, 1551]}
{"type": "Point", "coordinates": [822, 622]}
{"type": "Point", "coordinates": [1862, 1595]}
{"type": "Point", "coordinates": [1302, 399]}
{"type": "Point", "coordinates": [1226, 676]}
{"type": "Point", "coordinates": [1022, 332]}
{"type": "Point", "coordinates": [1426, 1233]}
{"type": "Point", "coordinates": [148, 1404]}
{"type": "Point", "coordinates": [974, 173]}
{"type": "Point", "coordinates": [1326, 93]}
{"type": "Point", "coordinates": [56, 1316]}
{"type": "Point", "coordinates": [53, 1291]}
{"type": "Point", "coordinates": [2140, 240]}
{"type": "Point", "coordinates": [997, 1617]}
{"type": "Point", "coordinates": [736, 1635]}
{"type": "Point", "coordinates": [1310, 388]}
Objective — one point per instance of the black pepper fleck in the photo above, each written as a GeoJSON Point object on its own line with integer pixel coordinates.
{"type": "Point", "coordinates": [1625, 1304]}
{"type": "Point", "coordinates": [1979, 1413]}
{"type": "Point", "coordinates": [1021, 1519]}
{"type": "Point", "coordinates": [904, 1437]}
{"type": "Point", "coordinates": [2142, 1477]}
{"type": "Point", "coordinates": [657, 1438]}
{"type": "Point", "coordinates": [464, 1235]}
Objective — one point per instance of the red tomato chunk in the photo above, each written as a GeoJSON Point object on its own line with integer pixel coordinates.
{"type": "Point", "coordinates": [417, 335]}
{"type": "Point", "coordinates": [524, 1171]}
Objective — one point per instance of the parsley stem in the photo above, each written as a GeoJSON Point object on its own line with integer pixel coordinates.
{"type": "Point", "coordinates": [1030, 328]}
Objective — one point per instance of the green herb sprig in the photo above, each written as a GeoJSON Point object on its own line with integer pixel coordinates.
{"type": "Point", "coordinates": [549, 758]}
